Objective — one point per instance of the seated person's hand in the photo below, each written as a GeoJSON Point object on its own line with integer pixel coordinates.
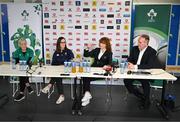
{"type": "Point", "coordinates": [107, 67]}
{"type": "Point", "coordinates": [131, 65]}
{"type": "Point", "coordinates": [89, 46]}
{"type": "Point", "coordinates": [104, 67]}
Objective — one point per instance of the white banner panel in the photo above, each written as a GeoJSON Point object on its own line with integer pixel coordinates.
{"type": "Point", "coordinates": [86, 21]}
{"type": "Point", "coordinates": [25, 21]}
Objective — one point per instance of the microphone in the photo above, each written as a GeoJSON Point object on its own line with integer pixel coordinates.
{"type": "Point", "coordinates": [30, 65]}
{"type": "Point", "coordinates": [41, 62]}
{"type": "Point", "coordinates": [107, 69]}
{"type": "Point", "coordinates": [30, 62]}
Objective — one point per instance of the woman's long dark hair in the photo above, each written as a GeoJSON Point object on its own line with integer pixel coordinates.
{"type": "Point", "coordinates": [58, 47]}
{"type": "Point", "coordinates": [106, 41]}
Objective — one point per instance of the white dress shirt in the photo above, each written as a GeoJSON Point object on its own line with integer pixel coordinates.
{"type": "Point", "coordinates": [139, 58]}
{"type": "Point", "coordinates": [101, 53]}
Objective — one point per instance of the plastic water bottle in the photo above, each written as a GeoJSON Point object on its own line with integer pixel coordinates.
{"type": "Point", "coordinates": [122, 67]}
{"type": "Point", "coordinates": [24, 64]}
{"type": "Point", "coordinates": [69, 67]}
{"type": "Point", "coordinates": [81, 67]}
{"type": "Point", "coordinates": [66, 67]}
{"type": "Point", "coordinates": [73, 67]}
{"type": "Point", "coordinates": [84, 65]}
{"type": "Point", "coordinates": [13, 64]}
{"type": "Point", "coordinates": [20, 65]}
{"type": "Point", "coordinates": [88, 66]}
{"type": "Point", "coordinates": [126, 64]}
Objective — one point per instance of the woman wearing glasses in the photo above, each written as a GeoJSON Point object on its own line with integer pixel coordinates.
{"type": "Point", "coordinates": [61, 54]}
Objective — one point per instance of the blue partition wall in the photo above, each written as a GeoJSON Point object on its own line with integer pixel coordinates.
{"type": "Point", "coordinates": [0, 37]}
{"type": "Point", "coordinates": [0, 49]}
{"type": "Point", "coordinates": [132, 25]}
{"type": "Point", "coordinates": [173, 45]}
{"type": "Point", "coordinates": [5, 35]}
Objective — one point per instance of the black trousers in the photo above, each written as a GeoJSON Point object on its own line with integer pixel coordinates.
{"type": "Point", "coordinates": [59, 84]}
{"type": "Point", "coordinates": [86, 83]}
{"type": "Point", "coordinates": [22, 83]}
{"type": "Point", "coordinates": [132, 89]}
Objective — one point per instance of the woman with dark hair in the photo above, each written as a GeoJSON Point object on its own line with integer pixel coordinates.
{"type": "Point", "coordinates": [61, 55]}
{"type": "Point", "coordinates": [102, 57]}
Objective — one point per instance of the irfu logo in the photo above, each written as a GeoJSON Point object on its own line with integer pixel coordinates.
{"type": "Point", "coordinates": [25, 14]}
{"type": "Point", "coordinates": [152, 14]}
{"type": "Point", "coordinates": [37, 9]}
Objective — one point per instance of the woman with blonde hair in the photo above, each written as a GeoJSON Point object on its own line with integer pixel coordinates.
{"type": "Point", "coordinates": [23, 53]}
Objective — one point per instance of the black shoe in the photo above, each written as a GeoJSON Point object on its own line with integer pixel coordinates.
{"type": "Point", "coordinates": [145, 105]}
{"type": "Point", "coordinates": [139, 95]}
{"type": "Point", "coordinates": [30, 90]}
{"type": "Point", "coordinates": [73, 112]}
{"type": "Point", "coordinates": [19, 97]}
{"type": "Point", "coordinates": [79, 112]}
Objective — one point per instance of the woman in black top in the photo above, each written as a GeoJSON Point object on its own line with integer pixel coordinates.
{"type": "Point", "coordinates": [61, 54]}
{"type": "Point", "coordinates": [102, 57]}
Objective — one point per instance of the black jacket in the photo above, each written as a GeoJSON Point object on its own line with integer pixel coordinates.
{"type": "Point", "coordinates": [149, 59]}
{"type": "Point", "coordinates": [60, 57]}
{"type": "Point", "coordinates": [106, 58]}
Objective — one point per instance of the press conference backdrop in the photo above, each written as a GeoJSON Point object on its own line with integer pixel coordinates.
{"type": "Point", "coordinates": [86, 21]}
{"type": "Point", "coordinates": [25, 21]}
{"type": "Point", "coordinates": [57, 24]}
{"type": "Point", "coordinates": [154, 21]}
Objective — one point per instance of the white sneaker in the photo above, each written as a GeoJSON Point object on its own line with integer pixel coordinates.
{"type": "Point", "coordinates": [85, 103]}
{"type": "Point", "coordinates": [60, 99]}
{"type": "Point", "coordinates": [46, 89]}
{"type": "Point", "coordinates": [87, 96]}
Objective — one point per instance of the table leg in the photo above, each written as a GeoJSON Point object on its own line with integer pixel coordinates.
{"type": "Point", "coordinates": [38, 88]}
{"type": "Point", "coordinates": [161, 104]}
{"type": "Point", "coordinates": [79, 111]}
{"type": "Point", "coordinates": [76, 107]}
{"type": "Point", "coordinates": [75, 97]}
{"type": "Point", "coordinates": [72, 93]}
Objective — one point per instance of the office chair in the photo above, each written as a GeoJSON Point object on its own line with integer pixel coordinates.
{"type": "Point", "coordinates": [155, 85]}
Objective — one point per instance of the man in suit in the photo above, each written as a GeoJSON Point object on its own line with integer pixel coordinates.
{"type": "Point", "coordinates": [141, 57]}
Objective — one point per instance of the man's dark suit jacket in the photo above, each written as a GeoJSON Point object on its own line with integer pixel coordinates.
{"type": "Point", "coordinates": [105, 59]}
{"type": "Point", "coordinates": [149, 59]}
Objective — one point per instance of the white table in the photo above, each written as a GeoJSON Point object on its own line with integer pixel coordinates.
{"type": "Point", "coordinates": [36, 71]}
{"type": "Point", "coordinates": [55, 71]}
{"type": "Point", "coordinates": [156, 74]}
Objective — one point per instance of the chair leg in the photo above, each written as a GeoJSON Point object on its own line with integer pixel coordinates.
{"type": "Point", "coordinates": [126, 95]}
{"type": "Point", "coordinates": [15, 88]}
{"type": "Point", "coordinates": [72, 93]}
{"type": "Point", "coordinates": [40, 85]}
{"type": "Point", "coordinates": [51, 92]}
{"type": "Point", "coordinates": [14, 85]}
{"type": "Point", "coordinates": [108, 90]}
{"type": "Point", "coordinates": [38, 89]}
{"type": "Point", "coordinates": [152, 95]}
